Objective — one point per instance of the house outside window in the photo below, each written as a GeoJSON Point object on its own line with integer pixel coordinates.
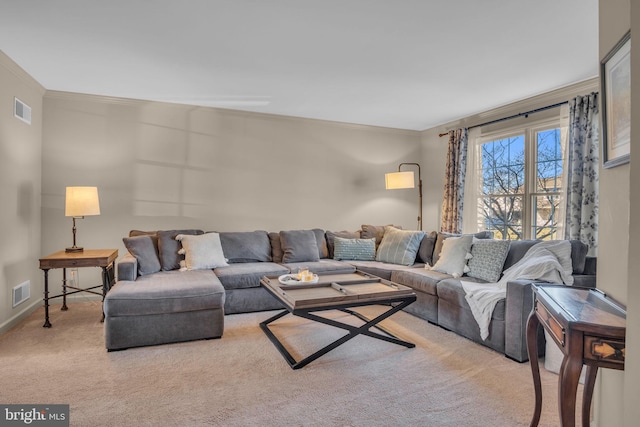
{"type": "Point", "coordinates": [519, 182]}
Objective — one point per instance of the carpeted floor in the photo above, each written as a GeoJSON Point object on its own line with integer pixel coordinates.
{"type": "Point", "coordinates": [242, 380]}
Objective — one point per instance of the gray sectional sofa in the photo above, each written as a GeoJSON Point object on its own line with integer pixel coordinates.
{"type": "Point", "coordinates": [153, 302]}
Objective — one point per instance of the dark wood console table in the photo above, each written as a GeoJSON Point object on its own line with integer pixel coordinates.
{"type": "Point", "coordinates": [589, 328]}
{"type": "Point", "coordinates": [103, 258]}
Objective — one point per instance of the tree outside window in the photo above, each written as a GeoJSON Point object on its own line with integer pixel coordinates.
{"type": "Point", "coordinates": [521, 185]}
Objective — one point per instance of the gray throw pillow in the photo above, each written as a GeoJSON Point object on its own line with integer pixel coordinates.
{"type": "Point", "coordinates": [323, 249]}
{"type": "Point", "coordinates": [246, 246]}
{"type": "Point", "coordinates": [487, 259]}
{"type": "Point", "coordinates": [399, 246]}
{"type": "Point", "coordinates": [354, 249]}
{"type": "Point", "coordinates": [425, 251]}
{"type": "Point", "coordinates": [145, 251]}
{"type": "Point", "coordinates": [168, 248]}
{"type": "Point", "coordinates": [299, 246]}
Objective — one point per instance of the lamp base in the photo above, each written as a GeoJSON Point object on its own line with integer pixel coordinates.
{"type": "Point", "coordinates": [74, 249]}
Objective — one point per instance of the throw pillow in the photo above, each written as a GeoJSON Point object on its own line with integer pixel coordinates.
{"type": "Point", "coordinates": [399, 246]}
{"type": "Point", "coordinates": [323, 249]}
{"type": "Point", "coordinates": [276, 246]}
{"type": "Point", "coordinates": [454, 255]}
{"type": "Point", "coordinates": [145, 251]}
{"type": "Point", "coordinates": [354, 249]}
{"type": "Point", "coordinates": [299, 246]}
{"type": "Point", "coordinates": [331, 235]}
{"type": "Point", "coordinates": [201, 252]}
{"type": "Point", "coordinates": [375, 231]}
{"type": "Point", "coordinates": [425, 252]}
{"type": "Point", "coordinates": [168, 248]}
{"type": "Point", "coordinates": [443, 236]}
{"type": "Point", "coordinates": [487, 259]}
{"type": "Point", "coordinates": [246, 246]}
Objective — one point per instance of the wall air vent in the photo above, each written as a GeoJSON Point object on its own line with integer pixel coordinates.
{"type": "Point", "coordinates": [21, 111]}
{"type": "Point", "coordinates": [21, 293]}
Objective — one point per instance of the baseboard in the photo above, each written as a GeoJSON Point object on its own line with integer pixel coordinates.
{"type": "Point", "coordinates": [8, 324]}
{"type": "Point", "coordinates": [5, 326]}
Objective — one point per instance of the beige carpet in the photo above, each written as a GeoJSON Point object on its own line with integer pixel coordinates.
{"type": "Point", "coordinates": [242, 380]}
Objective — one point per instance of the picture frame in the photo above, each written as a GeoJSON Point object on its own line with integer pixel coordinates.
{"type": "Point", "coordinates": [615, 77]}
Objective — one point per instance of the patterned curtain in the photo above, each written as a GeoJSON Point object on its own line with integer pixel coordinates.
{"type": "Point", "coordinates": [454, 182]}
{"type": "Point", "coordinates": [582, 171]}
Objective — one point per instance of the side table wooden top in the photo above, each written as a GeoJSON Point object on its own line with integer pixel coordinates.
{"type": "Point", "coordinates": [86, 258]}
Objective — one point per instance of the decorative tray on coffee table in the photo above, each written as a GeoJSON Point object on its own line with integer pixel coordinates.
{"type": "Point", "coordinates": [292, 279]}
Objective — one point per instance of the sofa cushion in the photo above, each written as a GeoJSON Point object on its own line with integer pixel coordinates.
{"type": "Point", "coordinates": [330, 236]}
{"type": "Point", "coordinates": [248, 246]}
{"type": "Point", "coordinates": [168, 248]}
{"type": "Point", "coordinates": [517, 249]}
{"type": "Point", "coordinates": [443, 236]}
{"type": "Point", "coordinates": [354, 249]}
{"type": "Point", "coordinates": [427, 245]}
{"type": "Point", "coordinates": [487, 259]}
{"type": "Point", "coordinates": [451, 290]}
{"type": "Point", "coordinates": [454, 255]}
{"type": "Point", "coordinates": [578, 256]}
{"type": "Point", "coordinates": [399, 246]}
{"type": "Point", "coordinates": [201, 252]}
{"type": "Point", "coordinates": [143, 248]}
{"type": "Point", "coordinates": [321, 241]}
{"type": "Point", "coordinates": [420, 279]}
{"type": "Point", "coordinates": [247, 274]}
{"type": "Point", "coordinates": [299, 246]}
{"type": "Point", "coordinates": [165, 292]}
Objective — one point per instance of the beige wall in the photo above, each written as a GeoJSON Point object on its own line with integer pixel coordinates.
{"type": "Point", "coordinates": [611, 406]}
{"type": "Point", "coordinates": [20, 147]}
{"type": "Point", "coordinates": [632, 368]}
{"type": "Point", "coordinates": [163, 166]}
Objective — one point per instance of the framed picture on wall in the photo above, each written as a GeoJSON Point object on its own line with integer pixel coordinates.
{"type": "Point", "coordinates": [615, 77]}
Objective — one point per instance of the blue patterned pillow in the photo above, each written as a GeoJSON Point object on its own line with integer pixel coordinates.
{"type": "Point", "coordinates": [354, 249]}
{"type": "Point", "coordinates": [487, 259]}
{"type": "Point", "coordinates": [399, 246]}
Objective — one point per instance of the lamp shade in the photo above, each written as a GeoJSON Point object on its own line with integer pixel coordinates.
{"type": "Point", "coordinates": [82, 201]}
{"type": "Point", "coordinates": [398, 180]}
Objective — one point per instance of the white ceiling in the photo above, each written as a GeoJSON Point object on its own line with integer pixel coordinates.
{"type": "Point", "coordinates": [407, 64]}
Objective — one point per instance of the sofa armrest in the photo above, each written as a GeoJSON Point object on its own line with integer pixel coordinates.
{"type": "Point", "coordinates": [128, 268]}
{"type": "Point", "coordinates": [518, 307]}
{"type": "Point", "coordinates": [584, 280]}
{"type": "Point", "coordinates": [590, 265]}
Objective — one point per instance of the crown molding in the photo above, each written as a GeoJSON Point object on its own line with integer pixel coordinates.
{"type": "Point", "coordinates": [555, 96]}
{"type": "Point", "coordinates": [20, 73]}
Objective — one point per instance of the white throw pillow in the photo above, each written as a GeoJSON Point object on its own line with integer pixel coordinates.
{"type": "Point", "coordinates": [201, 252]}
{"type": "Point", "coordinates": [454, 256]}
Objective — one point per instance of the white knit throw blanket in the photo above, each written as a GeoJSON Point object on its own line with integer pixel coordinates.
{"type": "Point", "coordinates": [548, 261]}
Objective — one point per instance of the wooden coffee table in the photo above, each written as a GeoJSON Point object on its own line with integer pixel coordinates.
{"type": "Point", "coordinates": [338, 292]}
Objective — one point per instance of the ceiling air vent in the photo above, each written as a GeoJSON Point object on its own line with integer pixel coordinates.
{"type": "Point", "coordinates": [22, 111]}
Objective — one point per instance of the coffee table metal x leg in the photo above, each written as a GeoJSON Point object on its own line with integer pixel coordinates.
{"type": "Point", "coordinates": [354, 331]}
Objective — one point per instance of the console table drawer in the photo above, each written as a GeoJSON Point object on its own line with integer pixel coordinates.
{"type": "Point", "coordinates": [553, 326]}
{"type": "Point", "coordinates": [604, 350]}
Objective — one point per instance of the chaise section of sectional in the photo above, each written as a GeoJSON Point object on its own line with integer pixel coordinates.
{"type": "Point", "coordinates": [164, 307]}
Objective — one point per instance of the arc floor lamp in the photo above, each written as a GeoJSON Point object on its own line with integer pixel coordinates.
{"type": "Point", "coordinates": [400, 180]}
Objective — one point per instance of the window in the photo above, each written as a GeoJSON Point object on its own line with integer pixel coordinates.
{"type": "Point", "coordinates": [519, 191]}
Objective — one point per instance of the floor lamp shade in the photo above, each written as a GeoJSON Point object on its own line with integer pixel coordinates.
{"type": "Point", "coordinates": [80, 202]}
{"type": "Point", "coordinates": [399, 180]}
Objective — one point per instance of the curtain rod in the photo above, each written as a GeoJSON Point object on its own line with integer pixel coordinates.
{"type": "Point", "coordinates": [526, 114]}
